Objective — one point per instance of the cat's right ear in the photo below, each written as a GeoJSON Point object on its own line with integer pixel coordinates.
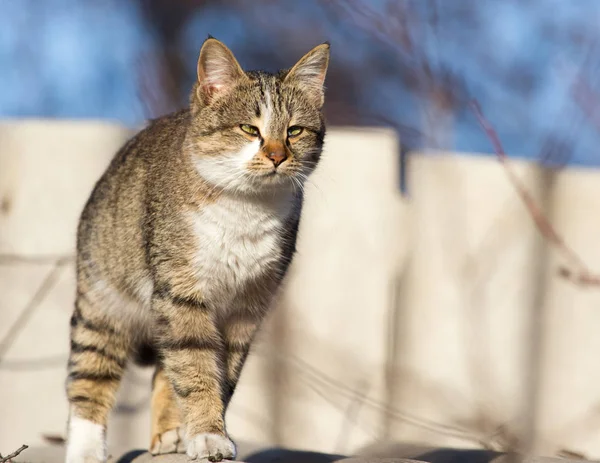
{"type": "Point", "coordinates": [310, 72]}
{"type": "Point", "coordinates": [218, 70]}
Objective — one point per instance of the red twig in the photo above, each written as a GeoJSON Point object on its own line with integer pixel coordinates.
{"type": "Point", "coordinates": [582, 275]}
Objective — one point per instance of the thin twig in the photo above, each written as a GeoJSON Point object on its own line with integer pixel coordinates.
{"type": "Point", "coordinates": [587, 100]}
{"type": "Point", "coordinates": [315, 379]}
{"type": "Point", "coordinates": [10, 259]}
{"type": "Point", "coordinates": [582, 275]}
{"type": "Point", "coordinates": [34, 364]}
{"type": "Point", "coordinates": [43, 290]}
{"type": "Point", "coordinates": [14, 454]}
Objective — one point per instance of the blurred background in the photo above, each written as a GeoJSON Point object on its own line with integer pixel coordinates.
{"type": "Point", "coordinates": [444, 292]}
{"type": "Point", "coordinates": [405, 64]}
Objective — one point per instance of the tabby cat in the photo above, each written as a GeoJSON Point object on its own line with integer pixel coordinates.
{"type": "Point", "coordinates": [182, 245]}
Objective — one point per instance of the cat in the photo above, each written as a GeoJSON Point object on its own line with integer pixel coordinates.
{"type": "Point", "coordinates": [182, 246]}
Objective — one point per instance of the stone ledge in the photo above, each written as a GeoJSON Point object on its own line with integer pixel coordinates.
{"type": "Point", "coordinates": [267, 456]}
{"type": "Point", "coordinates": [392, 453]}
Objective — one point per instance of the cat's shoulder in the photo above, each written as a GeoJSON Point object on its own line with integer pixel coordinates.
{"type": "Point", "coordinates": [167, 125]}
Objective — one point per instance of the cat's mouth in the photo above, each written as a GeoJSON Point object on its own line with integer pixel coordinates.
{"type": "Point", "coordinates": [269, 173]}
{"type": "Point", "coordinates": [272, 176]}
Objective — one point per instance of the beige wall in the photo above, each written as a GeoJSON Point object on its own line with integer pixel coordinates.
{"type": "Point", "coordinates": [402, 318]}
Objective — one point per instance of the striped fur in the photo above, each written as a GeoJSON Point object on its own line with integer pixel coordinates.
{"type": "Point", "coordinates": [182, 246]}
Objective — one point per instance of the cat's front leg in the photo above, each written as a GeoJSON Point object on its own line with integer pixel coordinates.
{"type": "Point", "coordinates": [238, 331]}
{"type": "Point", "coordinates": [192, 352]}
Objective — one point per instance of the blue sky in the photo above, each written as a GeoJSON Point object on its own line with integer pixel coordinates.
{"type": "Point", "coordinates": [520, 60]}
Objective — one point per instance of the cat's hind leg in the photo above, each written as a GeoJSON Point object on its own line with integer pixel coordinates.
{"type": "Point", "coordinates": [167, 429]}
{"type": "Point", "coordinates": [97, 359]}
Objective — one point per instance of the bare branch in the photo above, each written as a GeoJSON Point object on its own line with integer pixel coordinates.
{"type": "Point", "coordinates": [11, 259]}
{"type": "Point", "coordinates": [587, 100]}
{"type": "Point", "coordinates": [36, 300]}
{"type": "Point", "coordinates": [582, 275]}
{"type": "Point", "coordinates": [14, 454]}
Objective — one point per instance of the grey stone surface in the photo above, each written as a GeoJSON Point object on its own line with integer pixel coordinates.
{"type": "Point", "coordinates": [263, 456]}
{"type": "Point", "coordinates": [271, 456]}
{"type": "Point", "coordinates": [387, 454]}
{"type": "Point", "coordinates": [144, 457]}
{"type": "Point", "coordinates": [279, 455]}
{"type": "Point", "coordinates": [511, 459]}
{"type": "Point", "coordinates": [451, 455]}
{"type": "Point", "coordinates": [385, 449]}
{"type": "Point", "coordinates": [379, 453]}
{"type": "Point", "coordinates": [376, 460]}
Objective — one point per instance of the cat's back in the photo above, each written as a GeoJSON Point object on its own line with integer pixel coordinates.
{"type": "Point", "coordinates": [110, 237]}
{"type": "Point", "coordinates": [153, 146]}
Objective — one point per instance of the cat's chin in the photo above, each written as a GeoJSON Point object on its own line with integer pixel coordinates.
{"type": "Point", "coordinates": [267, 184]}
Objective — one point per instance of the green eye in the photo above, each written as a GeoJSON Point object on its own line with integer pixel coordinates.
{"type": "Point", "coordinates": [294, 131]}
{"type": "Point", "coordinates": [250, 130]}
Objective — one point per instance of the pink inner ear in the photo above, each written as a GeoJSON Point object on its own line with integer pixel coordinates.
{"type": "Point", "coordinates": [209, 90]}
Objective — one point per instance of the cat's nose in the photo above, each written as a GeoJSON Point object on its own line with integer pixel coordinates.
{"type": "Point", "coordinates": [277, 157]}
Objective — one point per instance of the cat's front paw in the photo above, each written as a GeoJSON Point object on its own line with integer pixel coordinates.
{"type": "Point", "coordinates": [214, 447]}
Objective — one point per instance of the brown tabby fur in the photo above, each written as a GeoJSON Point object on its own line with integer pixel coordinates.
{"type": "Point", "coordinates": [152, 284]}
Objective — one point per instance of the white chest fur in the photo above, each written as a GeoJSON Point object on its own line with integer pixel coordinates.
{"type": "Point", "coordinates": [237, 241]}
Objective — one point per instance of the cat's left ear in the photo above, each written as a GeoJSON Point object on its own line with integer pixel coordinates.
{"type": "Point", "coordinates": [310, 72]}
{"type": "Point", "coordinates": [218, 70]}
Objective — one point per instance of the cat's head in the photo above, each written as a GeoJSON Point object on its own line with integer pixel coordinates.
{"type": "Point", "coordinates": [255, 131]}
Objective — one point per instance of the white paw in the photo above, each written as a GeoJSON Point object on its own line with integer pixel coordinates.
{"type": "Point", "coordinates": [86, 442]}
{"type": "Point", "coordinates": [170, 441]}
{"type": "Point", "coordinates": [214, 447]}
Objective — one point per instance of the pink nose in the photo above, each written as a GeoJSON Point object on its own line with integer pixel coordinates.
{"type": "Point", "coordinates": [277, 157]}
